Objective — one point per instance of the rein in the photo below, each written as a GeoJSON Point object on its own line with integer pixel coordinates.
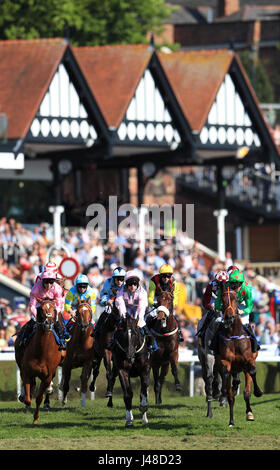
{"type": "Point", "coordinates": [86, 325]}
{"type": "Point", "coordinates": [170, 333]}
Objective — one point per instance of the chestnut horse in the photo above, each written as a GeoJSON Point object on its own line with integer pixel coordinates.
{"type": "Point", "coordinates": [102, 341]}
{"type": "Point", "coordinates": [41, 356]}
{"type": "Point", "coordinates": [131, 359]}
{"type": "Point", "coordinates": [79, 351]}
{"type": "Point", "coordinates": [235, 354]}
{"type": "Point", "coordinates": [165, 329]}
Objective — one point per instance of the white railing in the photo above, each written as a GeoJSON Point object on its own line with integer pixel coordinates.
{"type": "Point", "coordinates": [267, 353]}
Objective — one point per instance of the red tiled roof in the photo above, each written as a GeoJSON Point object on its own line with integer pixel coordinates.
{"type": "Point", "coordinates": [113, 73]}
{"type": "Point", "coordinates": [195, 77]}
{"type": "Point", "coordinates": [26, 70]}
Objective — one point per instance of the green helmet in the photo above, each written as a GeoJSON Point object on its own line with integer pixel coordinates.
{"type": "Point", "coordinates": [236, 276]}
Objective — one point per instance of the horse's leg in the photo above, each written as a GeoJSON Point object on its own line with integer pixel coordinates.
{"type": "Point", "coordinates": [108, 367]}
{"type": "Point", "coordinates": [86, 371]}
{"type": "Point", "coordinates": [235, 383]}
{"type": "Point", "coordinates": [227, 388]}
{"type": "Point", "coordinates": [95, 371]}
{"type": "Point", "coordinates": [247, 395]}
{"type": "Point", "coordinates": [43, 387]}
{"type": "Point", "coordinates": [66, 374]}
{"type": "Point", "coordinates": [144, 396]}
{"type": "Point", "coordinates": [113, 380]}
{"type": "Point", "coordinates": [209, 371]}
{"type": "Point", "coordinates": [174, 370]}
{"type": "Point", "coordinates": [47, 402]}
{"type": "Point", "coordinates": [252, 371]}
{"type": "Point", "coordinates": [163, 374]}
{"type": "Point", "coordinates": [127, 396]}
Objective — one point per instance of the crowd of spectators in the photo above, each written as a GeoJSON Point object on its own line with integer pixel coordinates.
{"type": "Point", "coordinates": [24, 250]}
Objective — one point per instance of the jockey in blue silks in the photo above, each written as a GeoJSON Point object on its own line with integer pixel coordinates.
{"type": "Point", "coordinates": [108, 294]}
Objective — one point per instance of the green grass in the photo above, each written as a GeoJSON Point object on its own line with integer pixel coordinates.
{"type": "Point", "coordinates": [180, 423]}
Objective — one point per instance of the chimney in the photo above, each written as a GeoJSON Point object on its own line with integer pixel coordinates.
{"type": "Point", "coordinates": [227, 7]}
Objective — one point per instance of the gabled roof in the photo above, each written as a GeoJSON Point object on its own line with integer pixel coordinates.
{"type": "Point", "coordinates": [113, 73]}
{"type": "Point", "coordinates": [195, 77]}
{"type": "Point", "coordinates": [26, 69]}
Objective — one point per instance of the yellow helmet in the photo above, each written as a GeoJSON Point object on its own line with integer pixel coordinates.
{"type": "Point", "coordinates": [166, 269]}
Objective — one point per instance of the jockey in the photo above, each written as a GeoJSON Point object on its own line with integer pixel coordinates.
{"type": "Point", "coordinates": [164, 281]}
{"type": "Point", "coordinates": [244, 295]}
{"type": "Point", "coordinates": [208, 300]}
{"type": "Point", "coordinates": [45, 287]}
{"type": "Point", "coordinates": [132, 299]}
{"type": "Point", "coordinates": [81, 290]}
{"type": "Point", "coordinates": [108, 294]}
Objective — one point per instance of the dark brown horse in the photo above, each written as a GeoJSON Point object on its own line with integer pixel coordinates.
{"type": "Point", "coordinates": [235, 354]}
{"type": "Point", "coordinates": [41, 356]}
{"type": "Point", "coordinates": [79, 351]}
{"type": "Point", "coordinates": [103, 340]}
{"type": "Point", "coordinates": [131, 359]}
{"type": "Point", "coordinates": [165, 329]}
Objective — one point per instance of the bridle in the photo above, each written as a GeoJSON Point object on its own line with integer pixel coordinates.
{"type": "Point", "coordinates": [83, 325]}
{"type": "Point", "coordinates": [229, 319]}
{"type": "Point", "coordinates": [130, 351]}
{"type": "Point", "coordinates": [48, 322]}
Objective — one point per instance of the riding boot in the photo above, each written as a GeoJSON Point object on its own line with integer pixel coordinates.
{"type": "Point", "coordinates": [151, 341]}
{"type": "Point", "coordinates": [254, 342]}
{"type": "Point", "coordinates": [214, 345]}
{"type": "Point", "coordinates": [181, 337]}
{"type": "Point", "coordinates": [62, 336]}
{"type": "Point", "coordinates": [25, 332]}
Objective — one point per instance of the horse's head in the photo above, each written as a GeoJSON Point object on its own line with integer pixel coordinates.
{"type": "Point", "coordinates": [83, 315]}
{"type": "Point", "coordinates": [230, 305]}
{"type": "Point", "coordinates": [162, 316]}
{"type": "Point", "coordinates": [131, 337]}
{"type": "Point", "coordinates": [46, 313]}
{"type": "Point", "coordinates": [165, 299]}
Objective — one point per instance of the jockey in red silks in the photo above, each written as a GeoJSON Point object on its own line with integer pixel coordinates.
{"type": "Point", "coordinates": [208, 300]}
{"type": "Point", "coordinates": [44, 288]}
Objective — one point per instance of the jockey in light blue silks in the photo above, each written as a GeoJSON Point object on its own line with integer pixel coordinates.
{"type": "Point", "coordinates": [83, 291]}
{"type": "Point", "coordinates": [108, 293]}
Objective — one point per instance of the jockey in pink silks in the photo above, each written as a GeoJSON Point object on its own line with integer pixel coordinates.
{"type": "Point", "coordinates": [45, 288]}
{"type": "Point", "coordinates": [132, 299]}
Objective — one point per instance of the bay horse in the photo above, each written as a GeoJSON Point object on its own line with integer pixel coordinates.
{"type": "Point", "coordinates": [103, 341]}
{"type": "Point", "coordinates": [235, 354]}
{"type": "Point", "coordinates": [210, 373]}
{"type": "Point", "coordinates": [79, 351]}
{"type": "Point", "coordinates": [165, 329]}
{"type": "Point", "coordinates": [41, 356]}
{"type": "Point", "coordinates": [131, 359]}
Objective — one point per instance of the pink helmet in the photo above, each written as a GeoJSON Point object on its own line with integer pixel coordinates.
{"type": "Point", "coordinates": [48, 275]}
{"type": "Point", "coordinates": [222, 276]}
{"type": "Point", "coordinates": [132, 274]}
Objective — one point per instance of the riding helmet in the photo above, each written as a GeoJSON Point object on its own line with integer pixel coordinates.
{"type": "Point", "coordinates": [119, 272]}
{"type": "Point", "coordinates": [82, 279]}
{"type": "Point", "coordinates": [166, 269]}
{"type": "Point", "coordinates": [236, 276]}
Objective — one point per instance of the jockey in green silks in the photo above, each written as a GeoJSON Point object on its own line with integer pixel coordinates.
{"type": "Point", "coordinates": [243, 291]}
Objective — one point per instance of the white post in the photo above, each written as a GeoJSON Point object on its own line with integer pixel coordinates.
{"type": "Point", "coordinates": [57, 211]}
{"type": "Point", "coordinates": [191, 379]}
{"type": "Point", "coordinates": [238, 238]}
{"type": "Point", "coordinates": [142, 227]}
{"type": "Point", "coordinates": [221, 214]}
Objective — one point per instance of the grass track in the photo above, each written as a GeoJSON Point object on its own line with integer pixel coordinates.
{"type": "Point", "coordinates": [179, 424]}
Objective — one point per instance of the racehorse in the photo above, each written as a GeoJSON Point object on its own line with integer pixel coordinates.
{"type": "Point", "coordinates": [131, 359]}
{"type": "Point", "coordinates": [79, 351]}
{"type": "Point", "coordinates": [235, 354]}
{"type": "Point", "coordinates": [102, 341]}
{"type": "Point", "coordinates": [164, 327]}
{"type": "Point", "coordinates": [41, 356]}
{"type": "Point", "coordinates": [210, 373]}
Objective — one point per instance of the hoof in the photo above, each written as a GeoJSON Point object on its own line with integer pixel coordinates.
{"type": "Point", "coordinates": [46, 407]}
{"type": "Point", "coordinates": [107, 394]}
{"type": "Point", "coordinates": [258, 393]}
{"type": "Point", "coordinates": [143, 409]}
{"type": "Point", "coordinates": [223, 402]}
{"type": "Point", "coordinates": [129, 424]}
{"type": "Point", "coordinates": [250, 416]}
{"type": "Point", "coordinates": [178, 388]}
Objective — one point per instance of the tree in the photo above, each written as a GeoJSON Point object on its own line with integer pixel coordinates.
{"type": "Point", "coordinates": [258, 76]}
{"type": "Point", "coordinates": [83, 22]}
